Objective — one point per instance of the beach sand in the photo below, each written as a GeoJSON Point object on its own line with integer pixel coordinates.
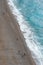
{"type": "Point", "coordinates": [13, 49]}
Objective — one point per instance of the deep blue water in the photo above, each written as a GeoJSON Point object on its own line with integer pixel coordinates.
{"type": "Point", "coordinates": [32, 10]}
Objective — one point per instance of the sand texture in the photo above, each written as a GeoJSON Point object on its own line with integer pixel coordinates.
{"type": "Point", "coordinates": [13, 50]}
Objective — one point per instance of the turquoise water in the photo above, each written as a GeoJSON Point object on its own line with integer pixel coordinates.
{"type": "Point", "coordinates": [32, 10]}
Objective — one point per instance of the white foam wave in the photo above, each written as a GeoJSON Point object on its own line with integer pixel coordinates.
{"type": "Point", "coordinates": [27, 32]}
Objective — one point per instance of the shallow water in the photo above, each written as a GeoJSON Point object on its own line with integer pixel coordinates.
{"type": "Point", "coordinates": [32, 11]}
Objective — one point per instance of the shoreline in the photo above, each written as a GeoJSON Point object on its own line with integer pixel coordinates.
{"type": "Point", "coordinates": [16, 36]}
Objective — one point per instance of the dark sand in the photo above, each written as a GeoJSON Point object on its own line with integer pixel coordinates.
{"type": "Point", "coordinates": [13, 49]}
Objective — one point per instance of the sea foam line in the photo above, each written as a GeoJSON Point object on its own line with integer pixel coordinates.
{"type": "Point", "coordinates": [27, 32]}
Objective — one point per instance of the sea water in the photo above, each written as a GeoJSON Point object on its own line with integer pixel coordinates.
{"type": "Point", "coordinates": [30, 16]}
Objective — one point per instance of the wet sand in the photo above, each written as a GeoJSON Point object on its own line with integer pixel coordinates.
{"type": "Point", "coordinates": [13, 49]}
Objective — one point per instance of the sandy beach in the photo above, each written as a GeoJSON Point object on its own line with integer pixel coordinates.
{"type": "Point", "coordinates": [13, 49]}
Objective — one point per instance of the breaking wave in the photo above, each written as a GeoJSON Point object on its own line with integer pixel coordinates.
{"type": "Point", "coordinates": [28, 32]}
